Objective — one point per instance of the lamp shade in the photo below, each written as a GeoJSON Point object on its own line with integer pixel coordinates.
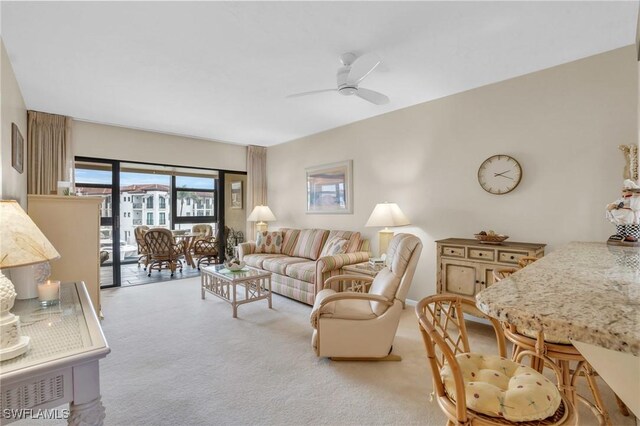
{"type": "Point", "coordinates": [21, 242]}
{"type": "Point", "coordinates": [261, 214]}
{"type": "Point", "coordinates": [387, 214]}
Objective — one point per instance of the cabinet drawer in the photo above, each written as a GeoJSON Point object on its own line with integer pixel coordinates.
{"type": "Point", "coordinates": [480, 254]}
{"type": "Point", "coordinates": [510, 256]}
{"type": "Point", "coordinates": [453, 251]}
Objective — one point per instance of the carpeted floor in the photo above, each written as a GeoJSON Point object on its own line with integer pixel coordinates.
{"type": "Point", "coordinates": [180, 360]}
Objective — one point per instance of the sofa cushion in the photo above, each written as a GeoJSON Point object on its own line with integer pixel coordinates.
{"type": "Point", "coordinates": [289, 239]}
{"type": "Point", "coordinates": [499, 387]}
{"type": "Point", "coordinates": [334, 245]}
{"type": "Point", "coordinates": [310, 243]}
{"type": "Point", "coordinates": [269, 242]}
{"type": "Point", "coordinates": [279, 265]}
{"type": "Point", "coordinates": [305, 271]}
{"type": "Point", "coordinates": [354, 239]}
{"type": "Point", "coordinates": [257, 259]}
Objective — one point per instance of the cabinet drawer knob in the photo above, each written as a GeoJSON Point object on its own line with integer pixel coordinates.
{"type": "Point", "coordinates": [477, 281]}
{"type": "Point", "coordinates": [513, 257]}
{"type": "Point", "coordinates": [479, 254]}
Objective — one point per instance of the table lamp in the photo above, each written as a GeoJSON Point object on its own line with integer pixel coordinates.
{"type": "Point", "coordinates": [21, 244]}
{"type": "Point", "coordinates": [386, 214]}
{"type": "Point", "coordinates": [261, 214]}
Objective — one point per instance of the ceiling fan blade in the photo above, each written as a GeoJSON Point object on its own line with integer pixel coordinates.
{"type": "Point", "coordinates": [362, 67]}
{"type": "Point", "coordinates": [372, 96]}
{"type": "Point", "coordinates": [313, 92]}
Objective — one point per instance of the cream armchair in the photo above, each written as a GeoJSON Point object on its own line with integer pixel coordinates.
{"type": "Point", "coordinates": [362, 325]}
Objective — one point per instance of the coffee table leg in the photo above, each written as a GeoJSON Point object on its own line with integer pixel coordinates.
{"type": "Point", "coordinates": [202, 282]}
{"type": "Point", "coordinates": [269, 281]}
{"type": "Point", "coordinates": [234, 304]}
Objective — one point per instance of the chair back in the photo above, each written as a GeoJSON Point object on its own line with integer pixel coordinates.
{"type": "Point", "coordinates": [159, 241]}
{"type": "Point", "coordinates": [442, 325]}
{"type": "Point", "coordinates": [394, 281]}
{"type": "Point", "coordinates": [526, 261]}
{"type": "Point", "coordinates": [139, 232]}
{"type": "Point", "coordinates": [204, 229]}
{"type": "Point", "coordinates": [500, 274]}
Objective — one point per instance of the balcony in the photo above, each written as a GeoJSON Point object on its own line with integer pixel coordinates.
{"type": "Point", "coordinates": [137, 222]}
{"type": "Point", "coordinates": [137, 206]}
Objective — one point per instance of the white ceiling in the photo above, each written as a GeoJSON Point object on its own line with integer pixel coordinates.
{"type": "Point", "coordinates": [222, 70]}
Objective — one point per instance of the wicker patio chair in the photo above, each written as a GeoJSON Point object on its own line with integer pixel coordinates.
{"type": "Point", "coordinates": [442, 324]}
{"type": "Point", "coordinates": [500, 274]}
{"type": "Point", "coordinates": [143, 257]}
{"type": "Point", "coordinates": [163, 252]}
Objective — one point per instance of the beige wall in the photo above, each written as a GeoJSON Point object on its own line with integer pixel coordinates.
{"type": "Point", "coordinates": [563, 125]}
{"type": "Point", "coordinates": [120, 143]}
{"type": "Point", "coordinates": [14, 184]}
{"type": "Point", "coordinates": [235, 218]}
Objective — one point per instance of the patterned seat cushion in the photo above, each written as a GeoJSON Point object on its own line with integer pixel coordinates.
{"type": "Point", "coordinates": [305, 271]}
{"type": "Point", "coordinates": [499, 387]}
{"type": "Point", "coordinates": [257, 259]}
{"type": "Point", "coordinates": [279, 265]}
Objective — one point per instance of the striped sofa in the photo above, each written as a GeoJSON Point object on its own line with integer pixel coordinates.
{"type": "Point", "coordinates": [298, 270]}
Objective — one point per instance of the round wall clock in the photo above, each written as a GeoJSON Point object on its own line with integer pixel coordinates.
{"type": "Point", "coordinates": [499, 174]}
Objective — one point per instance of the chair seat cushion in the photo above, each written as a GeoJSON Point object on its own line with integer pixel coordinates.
{"type": "Point", "coordinates": [499, 387]}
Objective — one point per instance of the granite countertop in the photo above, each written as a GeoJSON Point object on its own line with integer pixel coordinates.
{"type": "Point", "coordinates": [589, 292]}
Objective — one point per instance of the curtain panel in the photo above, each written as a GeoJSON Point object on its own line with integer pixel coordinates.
{"type": "Point", "coordinates": [49, 153]}
{"type": "Point", "coordinates": [256, 183]}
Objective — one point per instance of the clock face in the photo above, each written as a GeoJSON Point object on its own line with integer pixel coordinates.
{"type": "Point", "coordinates": [499, 174]}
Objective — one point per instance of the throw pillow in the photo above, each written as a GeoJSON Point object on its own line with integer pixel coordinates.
{"type": "Point", "coordinates": [269, 242]}
{"type": "Point", "coordinates": [334, 245]}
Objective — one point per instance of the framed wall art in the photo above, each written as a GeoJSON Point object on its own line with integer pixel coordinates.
{"type": "Point", "coordinates": [329, 188]}
{"type": "Point", "coordinates": [17, 148]}
{"type": "Point", "coordinates": [236, 195]}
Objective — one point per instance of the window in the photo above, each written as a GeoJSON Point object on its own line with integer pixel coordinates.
{"type": "Point", "coordinates": [163, 203]}
{"type": "Point", "coordinates": [195, 196]}
{"type": "Point", "coordinates": [188, 213]}
{"type": "Point", "coordinates": [188, 201]}
{"type": "Point", "coordinates": [163, 219]}
{"type": "Point", "coordinates": [150, 202]}
{"type": "Point", "coordinates": [149, 218]}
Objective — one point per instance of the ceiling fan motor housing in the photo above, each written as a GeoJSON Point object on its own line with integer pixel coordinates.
{"type": "Point", "coordinates": [348, 90]}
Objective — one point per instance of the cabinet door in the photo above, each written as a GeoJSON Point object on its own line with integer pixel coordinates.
{"type": "Point", "coordinates": [459, 277]}
{"type": "Point", "coordinates": [486, 276]}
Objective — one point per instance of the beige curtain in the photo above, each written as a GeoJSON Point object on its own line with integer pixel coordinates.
{"type": "Point", "coordinates": [256, 183]}
{"type": "Point", "coordinates": [49, 152]}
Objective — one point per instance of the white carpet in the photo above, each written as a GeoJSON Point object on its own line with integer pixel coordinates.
{"type": "Point", "coordinates": [180, 360]}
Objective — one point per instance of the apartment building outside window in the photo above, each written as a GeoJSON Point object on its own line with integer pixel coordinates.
{"type": "Point", "coordinates": [163, 219]}
{"type": "Point", "coordinates": [150, 202]}
{"type": "Point", "coordinates": [149, 218]}
{"type": "Point", "coordinates": [163, 202]}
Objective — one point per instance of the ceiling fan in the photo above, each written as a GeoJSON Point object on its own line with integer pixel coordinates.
{"type": "Point", "coordinates": [354, 70]}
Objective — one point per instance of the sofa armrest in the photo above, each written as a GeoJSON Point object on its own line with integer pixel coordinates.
{"type": "Point", "coordinates": [246, 248]}
{"type": "Point", "coordinates": [337, 261]}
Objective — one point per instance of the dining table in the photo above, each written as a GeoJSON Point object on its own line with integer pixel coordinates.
{"type": "Point", "coordinates": [587, 292]}
{"type": "Point", "coordinates": [187, 238]}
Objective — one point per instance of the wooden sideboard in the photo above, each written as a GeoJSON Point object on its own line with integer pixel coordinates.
{"type": "Point", "coordinates": [72, 225]}
{"type": "Point", "coordinates": [466, 266]}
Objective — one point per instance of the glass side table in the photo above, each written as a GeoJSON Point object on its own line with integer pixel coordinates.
{"type": "Point", "coordinates": [62, 363]}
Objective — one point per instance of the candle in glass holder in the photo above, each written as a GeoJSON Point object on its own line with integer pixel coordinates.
{"type": "Point", "coordinates": [49, 292]}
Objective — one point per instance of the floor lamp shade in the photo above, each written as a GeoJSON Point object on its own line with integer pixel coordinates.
{"type": "Point", "coordinates": [21, 244]}
{"type": "Point", "coordinates": [261, 214]}
{"type": "Point", "coordinates": [386, 215]}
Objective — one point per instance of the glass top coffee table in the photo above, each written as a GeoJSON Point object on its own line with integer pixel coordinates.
{"type": "Point", "coordinates": [222, 282]}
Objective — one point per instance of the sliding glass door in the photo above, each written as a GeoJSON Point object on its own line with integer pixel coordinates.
{"type": "Point", "coordinates": [140, 194]}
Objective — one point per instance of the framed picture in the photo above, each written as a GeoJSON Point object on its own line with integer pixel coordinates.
{"type": "Point", "coordinates": [236, 195]}
{"type": "Point", "coordinates": [17, 148]}
{"type": "Point", "coordinates": [329, 188]}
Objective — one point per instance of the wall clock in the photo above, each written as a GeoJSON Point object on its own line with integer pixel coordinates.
{"type": "Point", "coordinates": [499, 174]}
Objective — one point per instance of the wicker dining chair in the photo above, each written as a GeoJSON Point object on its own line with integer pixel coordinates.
{"type": "Point", "coordinates": [457, 389]}
{"type": "Point", "coordinates": [143, 251]}
{"type": "Point", "coordinates": [562, 352]}
{"type": "Point", "coordinates": [163, 252]}
{"type": "Point", "coordinates": [500, 274]}
{"type": "Point", "coordinates": [526, 260]}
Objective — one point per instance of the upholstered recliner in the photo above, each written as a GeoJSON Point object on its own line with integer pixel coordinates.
{"type": "Point", "coordinates": [362, 325]}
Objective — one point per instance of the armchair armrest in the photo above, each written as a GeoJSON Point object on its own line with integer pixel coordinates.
{"type": "Point", "coordinates": [246, 248]}
{"type": "Point", "coordinates": [352, 295]}
{"type": "Point", "coordinates": [339, 278]}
